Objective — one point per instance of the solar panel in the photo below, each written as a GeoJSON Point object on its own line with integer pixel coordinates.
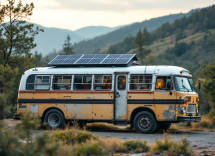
{"type": "Point", "coordinates": [95, 61]}
{"type": "Point", "coordinates": [92, 59]}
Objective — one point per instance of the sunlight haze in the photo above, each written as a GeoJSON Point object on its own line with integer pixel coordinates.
{"type": "Point", "coordinates": [75, 14]}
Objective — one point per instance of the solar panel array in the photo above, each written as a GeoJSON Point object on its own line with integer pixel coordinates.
{"type": "Point", "coordinates": [91, 59]}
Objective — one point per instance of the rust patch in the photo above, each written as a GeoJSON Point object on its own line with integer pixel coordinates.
{"type": "Point", "coordinates": [172, 107]}
{"type": "Point", "coordinates": [179, 109]}
{"type": "Point", "coordinates": [123, 116]}
{"type": "Point", "coordinates": [168, 115]}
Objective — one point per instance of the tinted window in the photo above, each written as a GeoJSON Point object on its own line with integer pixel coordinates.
{"type": "Point", "coordinates": [121, 83]}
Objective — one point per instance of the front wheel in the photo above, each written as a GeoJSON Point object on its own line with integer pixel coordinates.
{"type": "Point", "coordinates": [145, 122]}
{"type": "Point", "coordinates": [54, 119]}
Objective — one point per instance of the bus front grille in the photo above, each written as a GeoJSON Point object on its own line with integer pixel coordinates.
{"type": "Point", "coordinates": [191, 108]}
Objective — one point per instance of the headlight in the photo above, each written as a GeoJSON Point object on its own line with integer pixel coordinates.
{"type": "Point", "coordinates": [183, 110]}
{"type": "Point", "coordinates": [197, 110]}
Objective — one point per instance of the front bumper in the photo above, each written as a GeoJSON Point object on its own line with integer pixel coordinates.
{"type": "Point", "coordinates": [188, 118]}
{"type": "Point", "coordinates": [16, 116]}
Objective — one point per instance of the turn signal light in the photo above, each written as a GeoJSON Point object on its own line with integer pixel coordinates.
{"type": "Point", "coordinates": [181, 72]}
{"type": "Point", "coordinates": [185, 100]}
{"type": "Point", "coordinates": [198, 100]}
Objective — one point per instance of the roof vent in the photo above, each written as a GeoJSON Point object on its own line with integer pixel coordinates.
{"type": "Point", "coordinates": [136, 63]}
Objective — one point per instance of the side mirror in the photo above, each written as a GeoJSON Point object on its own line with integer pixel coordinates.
{"type": "Point", "coordinates": [199, 85]}
{"type": "Point", "coordinates": [168, 85]}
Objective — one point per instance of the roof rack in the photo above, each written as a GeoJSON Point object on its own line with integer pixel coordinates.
{"type": "Point", "coordinates": [94, 60]}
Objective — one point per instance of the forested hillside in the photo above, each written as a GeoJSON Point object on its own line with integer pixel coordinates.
{"type": "Point", "coordinates": [96, 44]}
{"type": "Point", "coordinates": [185, 42]}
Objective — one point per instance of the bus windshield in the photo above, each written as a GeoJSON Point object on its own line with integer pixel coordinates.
{"type": "Point", "coordinates": [184, 84]}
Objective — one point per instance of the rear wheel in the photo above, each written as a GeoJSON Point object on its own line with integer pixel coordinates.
{"type": "Point", "coordinates": [54, 119]}
{"type": "Point", "coordinates": [145, 122]}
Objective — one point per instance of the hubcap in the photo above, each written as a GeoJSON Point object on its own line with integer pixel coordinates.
{"type": "Point", "coordinates": [53, 120]}
{"type": "Point", "coordinates": [144, 122]}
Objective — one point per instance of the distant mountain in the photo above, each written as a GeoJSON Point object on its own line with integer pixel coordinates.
{"type": "Point", "coordinates": [95, 45]}
{"type": "Point", "coordinates": [93, 31]}
{"type": "Point", "coordinates": [53, 38]}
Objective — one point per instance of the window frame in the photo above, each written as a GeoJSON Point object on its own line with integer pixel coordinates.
{"type": "Point", "coordinates": [62, 80]}
{"type": "Point", "coordinates": [30, 83]}
{"type": "Point", "coordinates": [125, 83]}
{"type": "Point", "coordinates": [94, 81]}
{"type": "Point", "coordinates": [141, 83]}
{"type": "Point", "coordinates": [82, 81]}
{"type": "Point", "coordinates": [171, 76]}
{"type": "Point", "coordinates": [38, 83]}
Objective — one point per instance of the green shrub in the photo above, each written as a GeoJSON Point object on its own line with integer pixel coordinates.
{"type": "Point", "coordinates": [92, 149]}
{"type": "Point", "coordinates": [20, 141]}
{"type": "Point", "coordinates": [136, 145]}
{"type": "Point", "coordinates": [71, 136]}
{"type": "Point", "coordinates": [172, 147]}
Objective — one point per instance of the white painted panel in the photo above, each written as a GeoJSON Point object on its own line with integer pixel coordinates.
{"type": "Point", "coordinates": [34, 108]}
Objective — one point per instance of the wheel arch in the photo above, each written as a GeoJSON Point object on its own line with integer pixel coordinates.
{"type": "Point", "coordinates": [44, 113]}
{"type": "Point", "coordinates": [137, 110]}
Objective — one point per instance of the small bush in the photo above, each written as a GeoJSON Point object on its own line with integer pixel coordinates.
{"type": "Point", "coordinates": [205, 123]}
{"type": "Point", "coordinates": [20, 141]}
{"type": "Point", "coordinates": [71, 136]}
{"type": "Point", "coordinates": [113, 144]}
{"type": "Point", "coordinates": [172, 147]}
{"type": "Point", "coordinates": [136, 145]}
{"type": "Point", "coordinates": [92, 149]}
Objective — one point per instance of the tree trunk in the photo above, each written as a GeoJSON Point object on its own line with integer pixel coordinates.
{"type": "Point", "coordinates": [2, 110]}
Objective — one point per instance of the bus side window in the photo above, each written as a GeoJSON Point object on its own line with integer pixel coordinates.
{"type": "Point", "coordinates": [42, 82]}
{"type": "Point", "coordinates": [141, 82]}
{"type": "Point", "coordinates": [30, 82]}
{"type": "Point", "coordinates": [103, 82]}
{"type": "Point", "coordinates": [62, 82]}
{"type": "Point", "coordinates": [82, 82]}
{"type": "Point", "coordinates": [164, 83]}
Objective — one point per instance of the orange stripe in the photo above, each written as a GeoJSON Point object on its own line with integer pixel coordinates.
{"type": "Point", "coordinates": [141, 92]}
{"type": "Point", "coordinates": [70, 91]}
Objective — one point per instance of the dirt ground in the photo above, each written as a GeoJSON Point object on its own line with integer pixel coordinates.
{"type": "Point", "coordinates": [202, 142]}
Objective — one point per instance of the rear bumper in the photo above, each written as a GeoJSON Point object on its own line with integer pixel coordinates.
{"type": "Point", "coordinates": [188, 118]}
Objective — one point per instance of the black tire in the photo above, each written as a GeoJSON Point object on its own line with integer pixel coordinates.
{"type": "Point", "coordinates": [54, 119]}
{"type": "Point", "coordinates": [145, 122]}
{"type": "Point", "coordinates": [163, 126]}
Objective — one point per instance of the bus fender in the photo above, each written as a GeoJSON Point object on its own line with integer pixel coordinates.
{"type": "Point", "coordinates": [44, 113]}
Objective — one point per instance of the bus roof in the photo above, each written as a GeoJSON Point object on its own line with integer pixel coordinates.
{"type": "Point", "coordinates": [157, 70]}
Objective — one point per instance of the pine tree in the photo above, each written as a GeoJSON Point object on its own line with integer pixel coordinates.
{"type": "Point", "coordinates": [16, 42]}
{"type": "Point", "coordinates": [209, 86]}
{"type": "Point", "coordinates": [140, 40]}
{"type": "Point", "coordinates": [67, 47]}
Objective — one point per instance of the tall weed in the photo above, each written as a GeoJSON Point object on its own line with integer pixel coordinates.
{"type": "Point", "coordinates": [172, 147]}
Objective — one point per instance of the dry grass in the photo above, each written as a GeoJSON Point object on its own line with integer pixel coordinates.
{"type": "Point", "coordinates": [172, 148]}
{"type": "Point", "coordinates": [94, 126]}
{"type": "Point", "coordinates": [205, 124]}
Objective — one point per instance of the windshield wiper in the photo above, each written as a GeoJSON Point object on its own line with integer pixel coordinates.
{"type": "Point", "coordinates": [185, 88]}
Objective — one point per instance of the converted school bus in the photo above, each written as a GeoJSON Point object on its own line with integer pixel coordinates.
{"type": "Point", "coordinates": [109, 88]}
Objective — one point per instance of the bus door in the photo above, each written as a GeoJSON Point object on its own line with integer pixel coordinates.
{"type": "Point", "coordinates": [165, 98]}
{"type": "Point", "coordinates": [121, 86]}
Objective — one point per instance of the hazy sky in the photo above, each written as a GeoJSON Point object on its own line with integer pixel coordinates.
{"type": "Point", "coordinates": [75, 14]}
